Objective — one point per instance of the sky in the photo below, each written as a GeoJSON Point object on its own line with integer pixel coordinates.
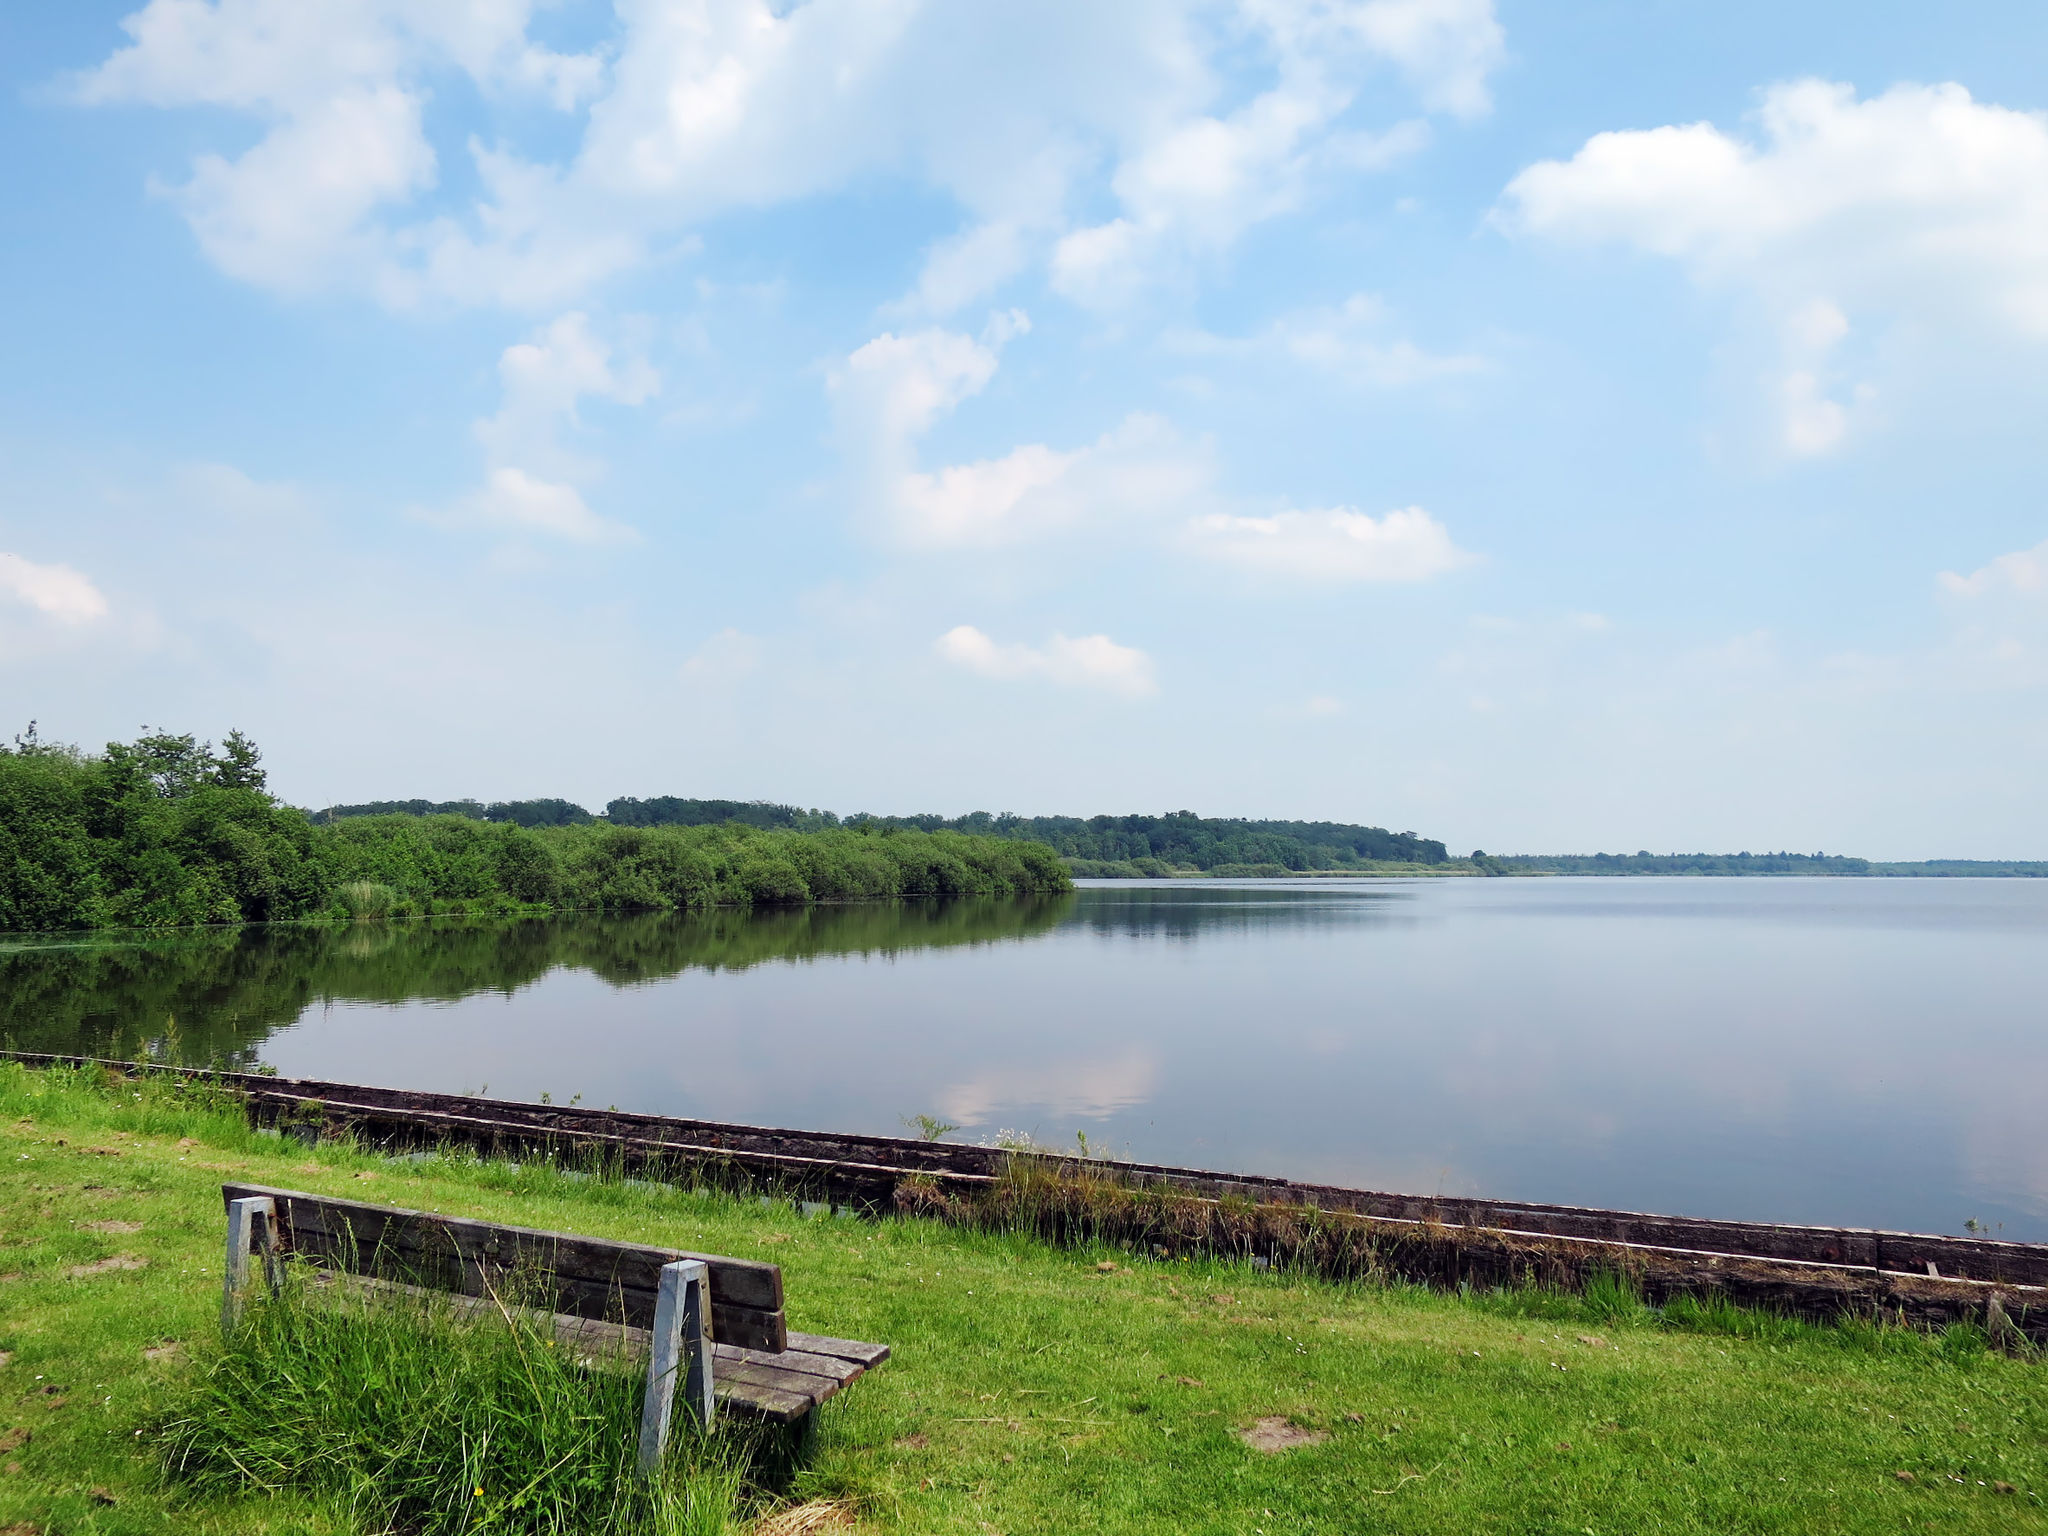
{"type": "Point", "coordinates": [1545, 427]}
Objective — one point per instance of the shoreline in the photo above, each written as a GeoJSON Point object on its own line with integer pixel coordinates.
{"type": "Point", "coordinates": [1810, 1271]}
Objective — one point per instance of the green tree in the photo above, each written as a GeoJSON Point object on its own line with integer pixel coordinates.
{"type": "Point", "coordinates": [237, 766]}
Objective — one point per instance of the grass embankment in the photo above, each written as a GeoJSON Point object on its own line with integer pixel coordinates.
{"type": "Point", "coordinates": [1032, 1389]}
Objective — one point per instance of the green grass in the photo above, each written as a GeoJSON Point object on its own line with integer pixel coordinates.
{"type": "Point", "coordinates": [395, 1413]}
{"type": "Point", "coordinates": [1032, 1389]}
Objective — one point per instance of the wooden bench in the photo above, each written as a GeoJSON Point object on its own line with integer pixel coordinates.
{"type": "Point", "coordinates": [715, 1322]}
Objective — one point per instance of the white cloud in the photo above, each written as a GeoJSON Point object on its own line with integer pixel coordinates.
{"type": "Point", "coordinates": [542, 381]}
{"type": "Point", "coordinates": [893, 390]}
{"type": "Point", "coordinates": [530, 484]}
{"type": "Point", "coordinates": [1138, 480]}
{"type": "Point", "coordinates": [1193, 184]}
{"type": "Point", "coordinates": [57, 590]}
{"type": "Point", "coordinates": [1339, 544]}
{"type": "Point", "coordinates": [1091, 661]}
{"type": "Point", "coordinates": [515, 501]}
{"type": "Point", "coordinates": [1017, 111]}
{"type": "Point", "coordinates": [1812, 422]}
{"type": "Point", "coordinates": [1132, 475]}
{"type": "Point", "coordinates": [2023, 573]}
{"type": "Point", "coordinates": [1347, 340]}
{"type": "Point", "coordinates": [1920, 204]}
{"type": "Point", "coordinates": [341, 86]}
{"type": "Point", "coordinates": [1448, 48]}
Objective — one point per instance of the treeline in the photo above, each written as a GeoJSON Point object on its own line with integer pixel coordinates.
{"type": "Point", "coordinates": [520, 813]}
{"type": "Point", "coordinates": [166, 832]}
{"type": "Point", "coordinates": [1156, 845]}
{"type": "Point", "coordinates": [1183, 840]}
{"type": "Point", "coordinates": [1644, 862]}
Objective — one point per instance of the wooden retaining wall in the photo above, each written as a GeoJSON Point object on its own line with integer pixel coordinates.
{"type": "Point", "coordinates": [1819, 1272]}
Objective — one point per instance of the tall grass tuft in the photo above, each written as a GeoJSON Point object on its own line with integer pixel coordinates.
{"type": "Point", "coordinates": [399, 1415]}
{"type": "Point", "coordinates": [366, 898]}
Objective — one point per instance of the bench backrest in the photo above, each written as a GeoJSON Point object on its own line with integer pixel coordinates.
{"type": "Point", "coordinates": [579, 1276]}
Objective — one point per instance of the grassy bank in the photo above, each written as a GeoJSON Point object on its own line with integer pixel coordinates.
{"type": "Point", "coordinates": [1033, 1389]}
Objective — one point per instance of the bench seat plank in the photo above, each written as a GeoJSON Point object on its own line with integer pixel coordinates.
{"type": "Point", "coordinates": [584, 1276]}
{"type": "Point", "coordinates": [866, 1355]}
{"type": "Point", "coordinates": [781, 1387]}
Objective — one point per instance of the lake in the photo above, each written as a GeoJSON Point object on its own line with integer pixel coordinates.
{"type": "Point", "coordinates": [1837, 1051]}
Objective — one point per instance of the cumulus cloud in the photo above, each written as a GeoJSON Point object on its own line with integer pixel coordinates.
{"type": "Point", "coordinates": [1089, 661]}
{"type": "Point", "coordinates": [2000, 613]}
{"type": "Point", "coordinates": [341, 89]}
{"type": "Point", "coordinates": [1339, 544]}
{"type": "Point", "coordinates": [1920, 203]}
{"type": "Point", "coordinates": [1142, 479]}
{"type": "Point", "coordinates": [1133, 474]}
{"type": "Point", "coordinates": [543, 379]}
{"type": "Point", "coordinates": [1349, 341]}
{"type": "Point", "coordinates": [514, 501]}
{"type": "Point", "coordinates": [1194, 185]}
{"type": "Point", "coordinates": [893, 390]}
{"type": "Point", "coordinates": [2023, 573]}
{"type": "Point", "coordinates": [689, 111]}
{"type": "Point", "coordinates": [56, 590]}
{"type": "Point", "coordinates": [531, 479]}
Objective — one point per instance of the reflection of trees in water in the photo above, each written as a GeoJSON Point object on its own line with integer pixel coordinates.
{"type": "Point", "coordinates": [1191, 911]}
{"type": "Point", "coordinates": [214, 997]}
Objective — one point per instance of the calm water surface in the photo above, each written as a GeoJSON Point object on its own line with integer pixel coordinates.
{"type": "Point", "coordinates": [1869, 1052]}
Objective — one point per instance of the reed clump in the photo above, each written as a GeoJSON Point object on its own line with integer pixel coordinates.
{"type": "Point", "coordinates": [398, 1414]}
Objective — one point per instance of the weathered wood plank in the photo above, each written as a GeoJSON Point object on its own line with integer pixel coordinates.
{"type": "Point", "coordinates": [581, 1276]}
{"type": "Point", "coordinates": [868, 1356]}
{"type": "Point", "coordinates": [740, 1374]}
{"type": "Point", "coordinates": [866, 1169]}
{"type": "Point", "coordinates": [797, 1363]}
{"type": "Point", "coordinates": [744, 1381]}
{"type": "Point", "coordinates": [742, 1282]}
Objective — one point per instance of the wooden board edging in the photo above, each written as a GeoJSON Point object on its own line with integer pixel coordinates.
{"type": "Point", "coordinates": [870, 1171]}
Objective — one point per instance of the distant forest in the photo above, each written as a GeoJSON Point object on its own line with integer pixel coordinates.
{"type": "Point", "coordinates": [1746, 863]}
{"type": "Point", "coordinates": [1132, 845]}
{"type": "Point", "coordinates": [168, 832]}
{"type": "Point", "coordinates": [1182, 842]}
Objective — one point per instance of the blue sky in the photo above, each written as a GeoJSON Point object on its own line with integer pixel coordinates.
{"type": "Point", "coordinates": [1544, 427]}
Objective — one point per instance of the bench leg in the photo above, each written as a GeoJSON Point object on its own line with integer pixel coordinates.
{"type": "Point", "coordinates": [682, 1310]}
{"type": "Point", "coordinates": [252, 1224]}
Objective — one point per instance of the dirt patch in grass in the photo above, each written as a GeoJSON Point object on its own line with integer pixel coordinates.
{"type": "Point", "coordinates": [1274, 1435]}
{"type": "Point", "coordinates": [107, 1266]}
{"type": "Point", "coordinates": [804, 1519]}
